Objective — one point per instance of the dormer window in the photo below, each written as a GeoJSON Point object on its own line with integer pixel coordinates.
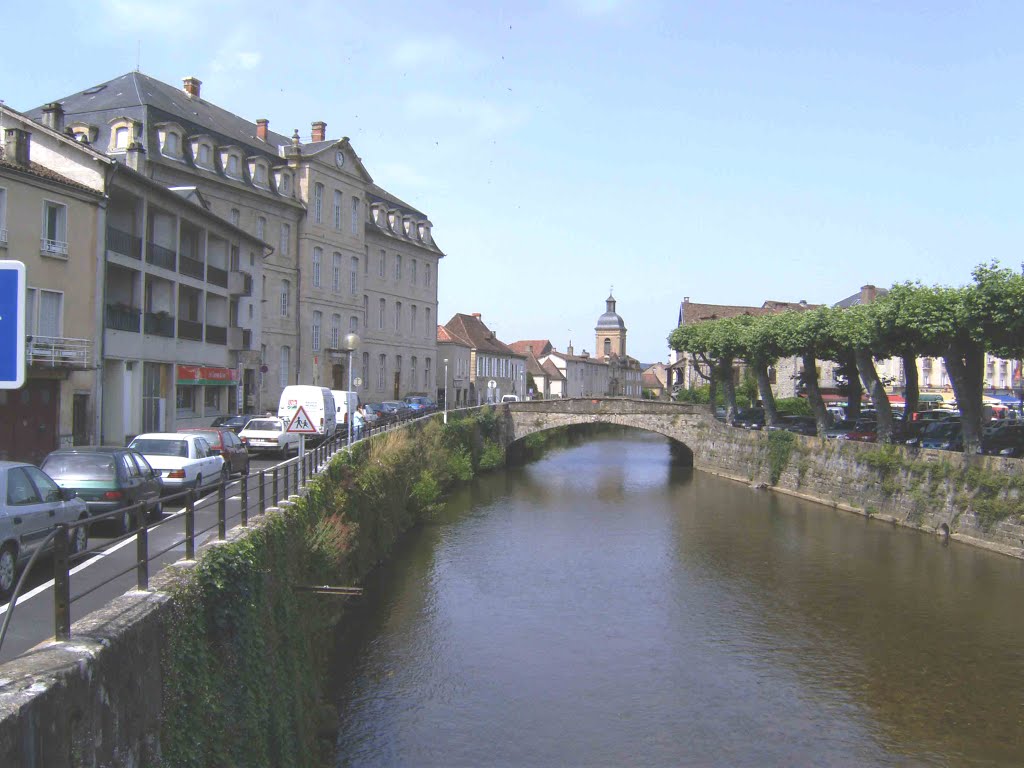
{"type": "Point", "coordinates": [122, 137]}
{"type": "Point", "coordinates": [231, 162]}
{"type": "Point", "coordinates": [407, 226]}
{"type": "Point", "coordinates": [258, 172]}
{"type": "Point", "coordinates": [232, 169]}
{"type": "Point", "coordinates": [83, 132]}
{"type": "Point", "coordinates": [204, 155]}
{"type": "Point", "coordinates": [169, 136]}
{"type": "Point", "coordinates": [284, 183]}
{"type": "Point", "coordinates": [202, 151]}
{"type": "Point", "coordinates": [391, 220]}
{"type": "Point", "coordinates": [123, 131]}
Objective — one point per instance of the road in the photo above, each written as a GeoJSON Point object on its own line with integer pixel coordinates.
{"type": "Point", "coordinates": [33, 621]}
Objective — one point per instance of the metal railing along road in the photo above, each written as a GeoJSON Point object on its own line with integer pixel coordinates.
{"type": "Point", "coordinates": [272, 485]}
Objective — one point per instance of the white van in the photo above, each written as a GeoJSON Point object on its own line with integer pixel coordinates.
{"type": "Point", "coordinates": [317, 402]}
{"type": "Point", "coordinates": [345, 402]}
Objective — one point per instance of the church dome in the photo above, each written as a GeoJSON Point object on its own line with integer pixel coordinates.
{"type": "Point", "coordinates": [610, 320]}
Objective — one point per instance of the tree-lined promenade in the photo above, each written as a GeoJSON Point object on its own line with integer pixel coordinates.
{"type": "Point", "coordinates": [958, 324]}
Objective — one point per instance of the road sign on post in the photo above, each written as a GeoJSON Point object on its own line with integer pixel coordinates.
{"type": "Point", "coordinates": [12, 324]}
{"type": "Point", "coordinates": [301, 424]}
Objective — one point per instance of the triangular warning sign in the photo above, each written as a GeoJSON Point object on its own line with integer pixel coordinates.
{"type": "Point", "coordinates": [301, 424]}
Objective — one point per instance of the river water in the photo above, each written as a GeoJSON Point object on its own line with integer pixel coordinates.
{"type": "Point", "coordinates": [606, 607]}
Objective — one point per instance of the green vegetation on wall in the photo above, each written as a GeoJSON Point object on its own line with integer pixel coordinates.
{"type": "Point", "coordinates": [780, 448]}
{"type": "Point", "coordinates": [245, 651]}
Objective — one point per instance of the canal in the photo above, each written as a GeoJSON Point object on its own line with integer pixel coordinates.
{"type": "Point", "coordinates": [604, 606]}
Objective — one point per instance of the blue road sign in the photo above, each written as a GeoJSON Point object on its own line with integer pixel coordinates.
{"type": "Point", "coordinates": [12, 324]}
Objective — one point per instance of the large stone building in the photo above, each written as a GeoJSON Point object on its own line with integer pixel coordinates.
{"type": "Point", "coordinates": [311, 202]}
{"type": "Point", "coordinates": [491, 360]}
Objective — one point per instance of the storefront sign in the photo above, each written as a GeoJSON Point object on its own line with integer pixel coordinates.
{"type": "Point", "coordinates": [198, 375]}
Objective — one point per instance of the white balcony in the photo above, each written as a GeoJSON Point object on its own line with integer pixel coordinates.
{"type": "Point", "coordinates": [58, 352]}
{"type": "Point", "coordinates": [58, 248]}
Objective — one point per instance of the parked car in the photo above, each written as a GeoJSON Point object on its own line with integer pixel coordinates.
{"type": "Point", "coordinates": [235, 423]}
{"type": "Point", "coordinates": [801, 425]}
{"type": "Point", "coordinates": [1008, 442]}
{"type": "Point", "coordinates": [748, 418]}
{"type": "Point", "coordinates": [106, 479]}
{"type": "Point", "coordinates": [379, 416]}
{"type": "Point", "coordinates": [266, 434]}
{"type": "Point", "coordinates": [421, 404]}
{"type": "Point", "coordinates": [510, 398]}
{"type": "Point", "coordinates": [944, 436]}
{"type": "Point", "coordinates": [400, 409]}
{"type": "Point", "coordinates": [226, 443]}
{"type": "Point", "coordinates": [318, 405]}
{"type": "Point", "coordinates": [31, 504]}
{"type": "Point", "coordinates": [183, 461]}
{"type": "Point", "coordinates": [840, 429]}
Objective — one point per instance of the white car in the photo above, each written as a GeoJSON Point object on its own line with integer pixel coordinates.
{"type": "Point", "coordinates": [266, 434]}
{"type": "Point", "coordinates": [182, 461]}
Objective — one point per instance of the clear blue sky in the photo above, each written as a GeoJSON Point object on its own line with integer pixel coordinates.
{"type": "Point", "coordinates": [729, 152]}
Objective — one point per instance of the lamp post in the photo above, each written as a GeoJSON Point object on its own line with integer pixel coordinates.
{"type": "Point", "coordinates": [522, 385]}
{"type": "Point", "coordinates": [351, 345]}
{"type": "Point", "coordinates": [446, 390]}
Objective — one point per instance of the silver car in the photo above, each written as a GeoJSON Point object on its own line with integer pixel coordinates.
{"type": "Point", "coordinates": [31, 505]}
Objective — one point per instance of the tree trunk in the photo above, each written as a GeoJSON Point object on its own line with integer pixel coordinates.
{"type": "Point", "coordinates": [728, 389]}
{"type": "Point", "coordinates": [912, 389]}
{"type": "Point", "coordinates": [869, 374]}
{"type": "Point", "coordinates": [814, 393]}
{"type": "Point", "coordinates": [764, 386]}
{"type": "Point", "coordinates": [965, 364]}
{"type": "Point", "coordinates": [853, 389]}
{"type": "Point", "coordinates": [712, 390]}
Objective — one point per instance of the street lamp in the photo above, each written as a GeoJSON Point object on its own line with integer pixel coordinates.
{"type": "Point", "coordinates": [351, 345]}
{"type": "Point", "coordinates": [446, 390]}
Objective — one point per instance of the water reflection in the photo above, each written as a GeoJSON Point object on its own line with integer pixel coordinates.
{"type": "Point", "coordinates": [606, 607]}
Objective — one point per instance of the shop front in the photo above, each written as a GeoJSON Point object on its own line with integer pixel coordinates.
{"type": "Point", "coordinates": [203, 392]}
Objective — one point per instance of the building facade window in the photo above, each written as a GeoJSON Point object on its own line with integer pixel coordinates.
{"type": "Point", "coordinates": [355, 215]}
{"type": "Point", "coordinates": [426, 375]}
{"type": "Point", "coordinates": [412, 272]}
{"type": "Point", "coordinates": [335, 331]}
{"type": "Point", "coordinates": [413, 370]}
{"type": "Point", "coordinates": [315, 330]}
{"type": "Point", "coordinates": [122, 137]}
{"type": "Point", "coordinates": [55, 228]}
{"type": "Point", "coordinates": [366, 370]}
{"type": "Point", "coordinates": [318, 203]}
{"type": "Point", "coordinates": [353, 324]}
{"type": "Point", "coordinates": [204, 155]}
{"type": "Point", "coordinates": [366, 311]}
{"type": "Point", "coordinates": [426, 275]}
{"type": "Point", "coordinates": [234, 167]}
{"type": "Point", "coordinates": [286, 289]}
{"type": "Point", "coordinates": [398, 267]}
{"type": "Point", "coordinates": [354, 276]}
{"type": "Point", "coordinates": [398, 317]}
{"type": "Point", "coordinates": [338, 197]}
{"type": "Point", "coordinates": [429, 329]}
{"type": "Point", "coordinates": [383, 261]}
{"type": "Point", "coordinates": [318, 257]}
{"type": "Point", "coordinates": [261, 227]}
{"type": "Point", "coordinates": [286, 238]}
{"type": "Point", "coordinates": [336, 273]}
{"type": "Point", "coordinates": [382, 365]}
{"type": "Point", "coordinates": [235, 216]}
{"type": "Point", "coordinates": [285, 363]}
{"type": "Point", "coordinates": [380, 316]}
{"type": "Point", "coordinates": [412, 321]}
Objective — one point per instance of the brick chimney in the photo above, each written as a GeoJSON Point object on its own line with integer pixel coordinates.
{"type": "Point", "coordinates": [17, 144]}
{"type": "Point", "coordinates": [192, 85]}
{"type": "Point", "coordinates": [319, 131]}
{"type": "Point", "coordinates": [477, 315]}
{"type": "Point", "coordinates": [868, 294]}
{"type": "Point", "coordinates": [53, 116]}
{"type": "Point", "coordinates": [261, 128]}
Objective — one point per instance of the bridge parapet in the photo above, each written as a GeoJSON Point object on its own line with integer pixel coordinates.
{"type": "Point", "coordinates": [591, 405]}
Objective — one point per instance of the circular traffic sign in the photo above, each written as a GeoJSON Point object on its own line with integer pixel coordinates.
{"type": "Point", "coordinates": [492, 384]}
{"type": "Point", "coordinates": [357, 382]}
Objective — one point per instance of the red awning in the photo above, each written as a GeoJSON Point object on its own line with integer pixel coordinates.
{"type": "Point", "coordinates": [897, 400]}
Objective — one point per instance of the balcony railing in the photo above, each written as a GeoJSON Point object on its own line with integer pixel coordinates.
{"type": "Point", "coordinates": [190, 329]}
{"type": "Point", "coordinates": [217, 276]}
{"type": "Point", "coordinates": [58, 352]}
{"type": "Point", "coordinates": [159, 324]}
{"type": "Point", "coordinates": [239, 283]}
{"type": "Point", "coordinates": [191, 267]}
{"type": "Point", "coordinates": [216, 334]}
{"type": "Point", "coordinates": [124, 243]}
{"type": "Point", "coordinates": [53, 247]}
{"type": "Point", "coordinates": [159, 256]}
{"type": "Point", "coordinates": [122, 318]}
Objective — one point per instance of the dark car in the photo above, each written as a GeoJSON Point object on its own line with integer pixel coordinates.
{"type": "Point", "coordinates": [801, 425]}
{"type": "Point", "coordinates": [227, 444]}
{"type": "Point", "coordinates": [107, 478]}
{"type": "Point", "coordinates": [421, 404]}
{"type": "Point", "coordinates": [400, 409]}
{"type": "Point", "coordinates": [235, 423]}
{"type": "Point", "coordinates": [378, 416]}
{"type": "Point", "coordinates": [840, 429]}
{"type": "Point", "coordinates": [1008, 442]}
{"type": "Point", "coordinates": [748, 418]}
{"type": "Point", "coordinates": [944, 436]}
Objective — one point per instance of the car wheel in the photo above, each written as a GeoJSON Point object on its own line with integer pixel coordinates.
{"type": "Point", "coordinates": [80, 538]}
{"type": "Point", "coordinates": [198, 483]}
{"type": "Point", "coordinates": [225, 475]}
{"type": "Point", "coordinates": [158, 510]}
{"type": "Point", "coordinates": [245, 472]}
{"type": "Point", "coordinates": [8, 559]}
{"type": "Point", "coordinates": [127, 521]}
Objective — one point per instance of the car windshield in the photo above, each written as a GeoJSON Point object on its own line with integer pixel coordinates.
{"type": "Point", "coordinates": [212, 435]}
{"type": "Point", "coordinates": [265, 425]}
{"type": "Point", "coordinates": [747, 414]}
{"type": "Point", "coordinates": [158, 446]}
{"type": "Point", "coordinates": [92, 466]}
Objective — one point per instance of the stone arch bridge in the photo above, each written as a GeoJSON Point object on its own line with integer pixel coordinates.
{"type": "Point", "coordinates": [691, 425]}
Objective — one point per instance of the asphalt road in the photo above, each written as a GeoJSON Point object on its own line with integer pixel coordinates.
{"type": "Point", "coordinates": [33, 621]}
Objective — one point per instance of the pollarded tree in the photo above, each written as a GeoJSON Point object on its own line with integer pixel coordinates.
{"type": "Point", "coordinates": [811, 336]}
{"type": "Point", "coordinates": [716, 344]}
{"type": "Point", "coordinates": [761, 350]}
{"type": "Point", "coordinates": [857, 329]}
